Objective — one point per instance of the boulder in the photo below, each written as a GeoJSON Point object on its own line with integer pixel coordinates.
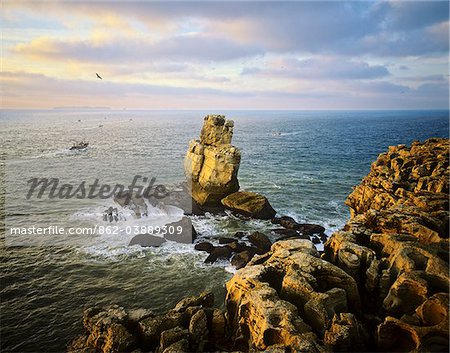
{"type": "Point", "coordinates": [219, 252]}
{"type": "Point", "coordinates": [198, 327]}
{"type": "Point", "coordinates": [236, 246]}
{"type": "Point", "coordinates": [261, 241]}
{"type": "Point", "coordinates": [171, 336]}
{"type": "Point", "coordinates": [147, 240]}
{"type": "Point", "coordinates": [288, 297]}
{"type": "Point", "coordinates": [291, 224]}
{"type": "Point", "coordinates": [187, 235]}
{"type": "Point", "coordinates": [249, 204]}
{"type": "Point", "coordinates": [106, 331]}
{"type": "Point", "coordinates": [346, 334]}
{"type": "Point", "coordinates": [204, 299]}
{"type": "Point", "coordinates": [181, 346]}
{"type": "Point", "coordinates": [242, 258]}
{"type": "Point", "coordinates": [211, 164]}
{"type": "Point", "coordinates": [225, 240]}
{"type": "Point", "coordinates": [204, 246]}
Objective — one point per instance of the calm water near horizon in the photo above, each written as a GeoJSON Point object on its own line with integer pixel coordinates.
{"type": "Point", "coordinates": [305, 162]}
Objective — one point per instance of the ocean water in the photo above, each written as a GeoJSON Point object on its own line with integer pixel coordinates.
{"type": "Point", "coordinates": [304, 162]}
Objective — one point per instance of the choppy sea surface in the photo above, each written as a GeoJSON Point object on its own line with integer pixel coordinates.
{"type": "Point", "coordinates": [304, 162]}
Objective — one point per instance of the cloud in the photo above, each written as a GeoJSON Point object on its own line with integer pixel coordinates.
{"type": "Point", "coordinates": [410, 15]}
{"type": "Point", "coordinates": [327, 68]}
{"type": "Point", "coordinates": [179, 48]}
{"type": "Point", "coordinates": [391, 28]}
{"type": "Point", "coordinates": [292, 53]}
{"type": "Point", "coordinates": [28, 83]}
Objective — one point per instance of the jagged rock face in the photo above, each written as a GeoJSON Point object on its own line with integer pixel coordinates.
{"type": "Point", "coordinates": [414, 177]}
{"type": "Point", "coordinates": [396, 246]}
{"type": "Point", "coordinates": [192, 326]}
{"type": "Point", "coordinates": [288, 297]}
{"type": "Point", "coordinates": [216, 131]}
{"type": "Point", "coordinates": [211, 164]}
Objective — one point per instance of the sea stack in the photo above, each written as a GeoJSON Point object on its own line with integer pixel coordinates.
{"type": "Point", "coordinates": [211, 164]}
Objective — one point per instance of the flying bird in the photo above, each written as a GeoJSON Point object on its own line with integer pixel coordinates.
{"type": "Point", "coordinates": [98, 76]}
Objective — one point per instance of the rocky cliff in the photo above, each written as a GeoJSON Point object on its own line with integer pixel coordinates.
{"type": "Point", "coordinates": [381, 283]}
{"type": "Point", "coordinates": [211, 164]}
{"type": "Point", "coordinates": [396, 247]}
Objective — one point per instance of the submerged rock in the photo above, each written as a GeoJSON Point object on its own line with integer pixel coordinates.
{"type": "Point", "coordinates": [211, 164]}
{"type": "Point", "coordinates": [249, 204]}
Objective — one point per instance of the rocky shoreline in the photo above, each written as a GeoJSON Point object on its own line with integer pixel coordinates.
{"type": "Point", "coordinates": [381, 283]}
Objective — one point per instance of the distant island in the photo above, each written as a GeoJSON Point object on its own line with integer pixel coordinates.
{"type": "Point", "coordinates": [81, 108]}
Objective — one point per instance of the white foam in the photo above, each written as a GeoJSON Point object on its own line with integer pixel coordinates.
{"type": "Point", "coordinates": [117, 241]}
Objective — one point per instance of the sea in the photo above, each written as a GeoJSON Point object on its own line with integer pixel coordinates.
{"type": "Point", "coordinates": [304, 162]}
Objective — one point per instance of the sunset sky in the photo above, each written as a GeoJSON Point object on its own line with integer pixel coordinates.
{"type": "Point", "coordinates": [227, 55]}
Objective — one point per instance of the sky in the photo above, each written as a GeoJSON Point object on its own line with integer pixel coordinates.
{"type": "Point", "coordinates": [225, 55]}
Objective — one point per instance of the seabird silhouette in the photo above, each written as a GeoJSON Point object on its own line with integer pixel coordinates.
{"type": "Point", "coordinates": [98, 76]}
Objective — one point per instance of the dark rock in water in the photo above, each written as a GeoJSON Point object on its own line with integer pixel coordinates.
{"type": "Point", "coordinates": [285, 221]}
{"type": "Point", "coordinates": [236, 246]}
{"type": "Point", "coordinates": [241, 259]}
{"type": "Point", "coordinates": [315, 239]}
{"type": "Point", "coordinates": [188, 233]}
{"type": "Point", "coordinates": [249, 204]}
{"type": "Point", "coordinates": [204, 246]}
{"type": "Point", "coordinates": [285, 232]}
{"type": "Point", "coordinates": [147, 240]}
{"type": "Point", "coordinates": [111, 214]}
{"type": "Point", "coordinates": [133, 201]}
{"type": "Point", "coordinates": [240, 234]}
{"type": "Point", "coordinates": [305, 228]}
{"type": "Point", "coordinates": [225, 240]}
{"type": "Point", "coordinates": [323, 237]}
{"type": "Point", "coordinates": [261, 241]}
{"type": "Point", "coordinates": [219, 252]}
{"type": "Point", "coordinates": [310, 229]}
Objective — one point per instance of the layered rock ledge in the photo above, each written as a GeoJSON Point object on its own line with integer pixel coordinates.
{"type": "Point", "coordinates": [396, 247]}
{"type": "Point", "coordinates": [381, 284]}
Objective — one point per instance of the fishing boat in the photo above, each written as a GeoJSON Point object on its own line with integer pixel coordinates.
{"type": "Point", "coordinates": [79, 146]}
